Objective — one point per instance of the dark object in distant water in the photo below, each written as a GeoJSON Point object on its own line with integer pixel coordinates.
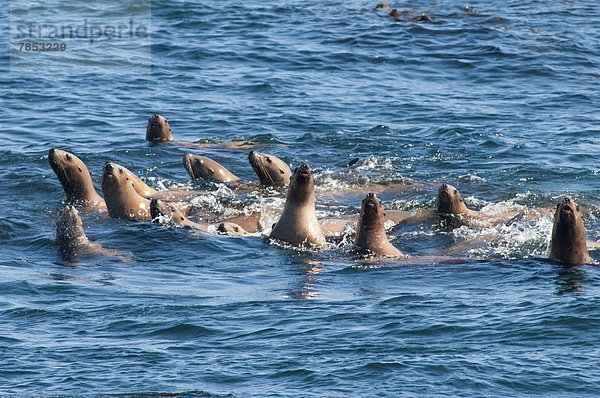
{"type": "Point", "coordinates": [422, 18]}
{"type": "Point", "coordinates": [380, 6]}
{"type": "Point", "coordinates": [568, 244]}
{"type": "Point", "coordinates": [352, 162]}
{"type": "Point", "coordinates": [402, 16]}
{"type": "Point", "coordinates": [470, 10]}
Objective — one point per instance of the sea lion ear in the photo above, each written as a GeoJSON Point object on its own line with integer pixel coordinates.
{"type": "Point", "coordinates": [80, 169]}
{"type": "Point", "coordinates": [281, 171]}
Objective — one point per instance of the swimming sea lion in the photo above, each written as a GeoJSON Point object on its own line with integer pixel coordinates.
{"type": "Point", "coordinates": [298, 224]}
{"type": "Point", "coordinates": [272, 171]}
{"type": "Point", "coordinates": [449, 201]}
{"type": "Point", "coordinates": [159, 209]}
{"type": "Point", "coordinates": [400, 16]}
{"type": "Point", "coordinates": [158, 129]}
{"type": "Point", "coordinates": [121, 198]}
{"type": "Point", "coordinates": [140, 186]}
{"type": "Point", "coordinates": [76, 179]}
{"type": "Point", "coordinates": [370, 230]}
{"type": "Point", "coordinates": [231, 228]}
{"type": "Point", "coordinates": [380, 6]}
{"type": "Point", "coordinates": [568, 242]}
{"type": "Point", "coordinates": [203, 167]}
{"type": "Point", "coordinates": [72, 241]}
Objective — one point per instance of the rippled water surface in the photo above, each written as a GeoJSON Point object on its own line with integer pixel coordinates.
{"type": "Point", "coordinates": [503, 104]}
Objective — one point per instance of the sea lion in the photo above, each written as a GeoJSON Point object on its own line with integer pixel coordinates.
{"type": "Point", "coordinates": [271, 171]}
{"type": "Point", "coordinates": [231, 228]}
{"type": "Point", "coordinates": [370, 230]}
{"type": "Point", "coordinates": [158, 129]}
{"type": "Point", "coordinates": [400, 16]}
{"type": "Point", "coordinates": [203, 167]}
{"type": "Point", "coordinates": [450, 202]}
{"type": "Point", "coordinates": [298, 224]}
{"type": "Point", "coordinates": [160, 210]}
{"type": "Point", "coordinates": [380, 6]}
{"type": "Point", "coordinates": [121, 198]}
{"type": "Point", "coordinates": [72, 241]}
{"type": "Point", "coordinates": [76, 179]}
{"type": "Point", "coordinates": [140, 186]}
{"type": "Point", "coordinates": [148, 192]}
{"type": "Point", "coordinates": [568, 242]}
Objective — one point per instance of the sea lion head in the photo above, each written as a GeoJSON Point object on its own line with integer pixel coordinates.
{"type": "Point", "coordinates": [115, 177]}
{"type": "Point", "coordinates": [231, 228]}
{"type": "Point", "coordinates": [203, 167]}
{"type": "Point", "coordinates": [158, 209]}
{"type": "Point", "coordinates": [568, 243]}
{"type": "Point", "coordinates": [69, 232]}
{"type": "Point", "coordinates": [272, 171]}
{"type": "Point", "coordinates": [372, 214]}
{"type": "Point", "coordinates": [158, 129]}
{"type": "Point", "coordinates": [73, 175]}
{"type": "Point", "coordinates": [568, 213]}
{"type": "Point", "coordinates": [302, 184]}
{"type": "Point", "coordinates": [449, 201]}
{"type": "Point", "coordinates": [381, 5]}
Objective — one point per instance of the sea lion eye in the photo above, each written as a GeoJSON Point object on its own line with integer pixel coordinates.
{"type": "Point", "coordinates": [120, 170]}
{"type": "Point", "coordinates": [269, 160]}
{"type": "Point", "coordinates": [456, 192]}
{"type": "Point", "coordinates": [236, 229]}
{"type": "Point", "coordinates": [69, 157]}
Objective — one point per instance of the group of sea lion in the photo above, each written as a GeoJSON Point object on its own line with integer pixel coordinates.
{"type": "Point", "coordinates": [125, 195]}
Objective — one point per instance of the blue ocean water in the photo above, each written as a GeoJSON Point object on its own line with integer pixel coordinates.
{"type": "Point", "coordinates": [503, 104]}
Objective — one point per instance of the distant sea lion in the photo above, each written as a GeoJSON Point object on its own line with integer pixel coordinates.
{"type": "Point", "coordinates": [271, 171]}
{"type": "Point", "coordinates": [121, 198]}
{"type": "Point", "coordinates": [298, 224]}
{"type": "Point", "coordinates": [400, 16]}
{"type": "Point", "coordinates": [203, 167]}
{"type": "Point", "coordinates": [158, 131]}
{"type": "Point", "coordinates": [76, 179]}
{"type": "Point", "coordinates": [370, 230]}
{"type": "Point", "coordinates": [72, 241]}
{"type": "Point", "coordinates": [568, 242]}
{"type": "Point", "coordinates": [380, 6]}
